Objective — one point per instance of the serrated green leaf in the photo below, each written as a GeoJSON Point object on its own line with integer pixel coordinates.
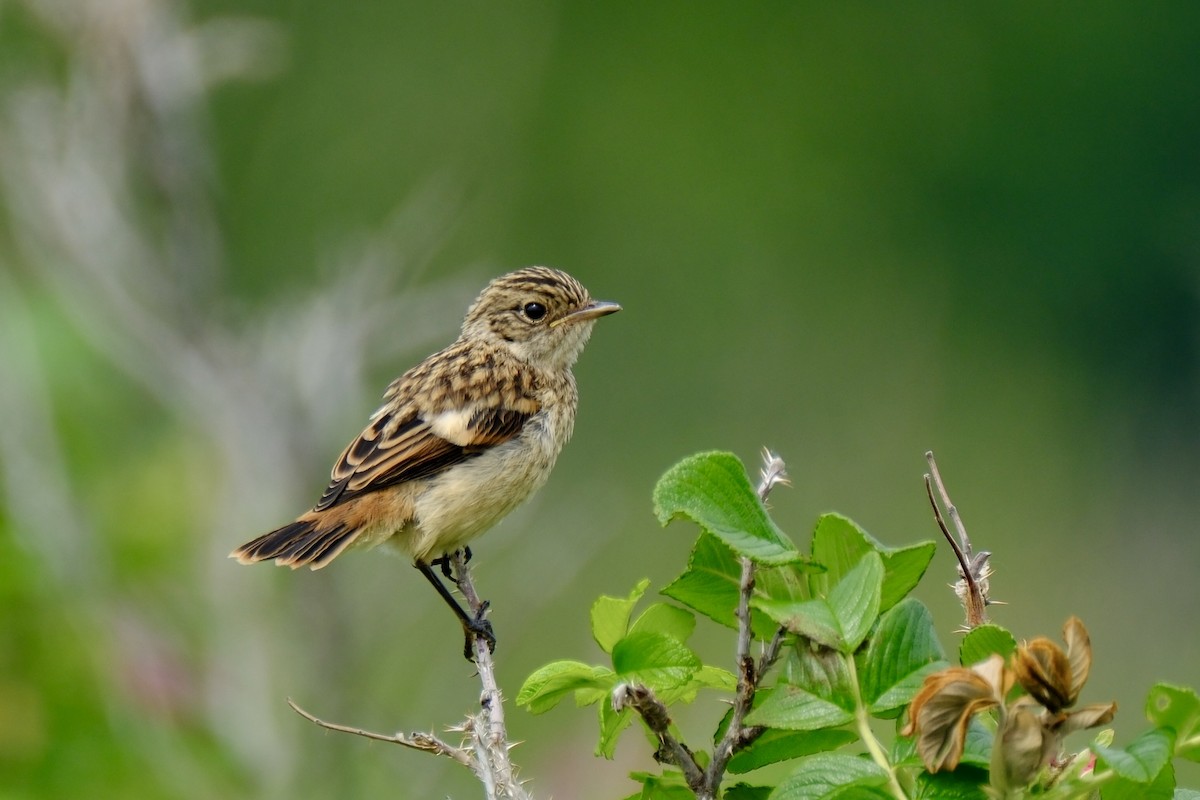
{"type": "Point", "coordinates": [819, 776]}
{"type": "Point", "coordinates": [704, 678]}
{"type": "Point", "coordinates": [744, 791]}
{"type": "Point", "coordinates": [1177, 708]}
{"type": "Point", "coordinates": [712, 490]}
{"type": "Point", "coordinates": [715, 678]}
{"type": "Point", "coordinates": [611, 724]}
{"type": "Point", "coordinates": [811, 618]}
{"type": "Point", "coordinates": [903, 649]}
{"type": "Point", "coordinates": [660, 662]}
{"type": "Point", "coordinates": [1142, 759]}
{"type": "Point", "coordinates": [855, 600]}
{"type": "Point", "coordinates": [839, 544]}
{"type": "Point", "coordinates": [982, 642]}
{"type": "Point", "coordinates": [547, 686]}
{"type": "Point", "coordinates": [666, 619]}
{"type": "Point", "coordinates": [793, 708]}
{"type": "Point", "coordinates": [610, 616]}
{"type": "Point", "coordinates": [710, 584]}
{"type": "Point", "coordinates": [823, 672]}
{"type": "Point", "coordinates": [843, 620]}
{"type": "Point", "coordinates": [777, 745]}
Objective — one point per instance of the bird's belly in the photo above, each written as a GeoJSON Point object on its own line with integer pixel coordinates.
{"type": "Point", "coordinates": [470, 497]}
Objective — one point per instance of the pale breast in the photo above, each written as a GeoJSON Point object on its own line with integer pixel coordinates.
{"type": "Point", "coordinates": [467, 499]}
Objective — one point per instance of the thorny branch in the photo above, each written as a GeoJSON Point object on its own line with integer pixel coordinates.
{"type": "Point", "coordinates": [485, 745]}
{"type": "Point", "coordinates": [973, 569]}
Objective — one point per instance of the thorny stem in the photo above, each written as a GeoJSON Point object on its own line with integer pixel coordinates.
{"type": "Point", "coordinates": [746, 685]}
{"type": "Point", "coordinates": [417, 741]}
{"type": "Point", "coordinates": [654, 713]}
{"type": "Point", "coordinates": [974, 599]}
{"type": "Point", "coordinates": [487, 755]}
{"type": "Point", "coordinates": [491, 743]}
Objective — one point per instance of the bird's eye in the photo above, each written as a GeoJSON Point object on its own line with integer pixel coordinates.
{"type": "Point", "coordinates": [534, 311]}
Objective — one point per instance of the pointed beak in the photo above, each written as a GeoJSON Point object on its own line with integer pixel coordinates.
{"type": "Point", "coordinates": [599, 308]}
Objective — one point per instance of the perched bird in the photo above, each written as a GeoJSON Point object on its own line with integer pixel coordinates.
{"type": "Point", "coordinates": [460, 440]}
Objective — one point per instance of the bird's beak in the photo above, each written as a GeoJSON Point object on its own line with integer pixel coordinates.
{"type": "Point", "coordinates": [599, 308]}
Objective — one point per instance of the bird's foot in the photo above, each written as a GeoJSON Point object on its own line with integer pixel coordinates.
{"type": "Point", "coordinates": [478, 627]}
{"type": "Point", "coordinates": [445, 562]}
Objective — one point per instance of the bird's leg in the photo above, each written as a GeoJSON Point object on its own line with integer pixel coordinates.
{"type": "Point", "coordinates": [473, 625]}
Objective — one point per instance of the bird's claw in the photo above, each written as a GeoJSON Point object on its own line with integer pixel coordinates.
{"type": "Point", "coordinates": [478, 628]}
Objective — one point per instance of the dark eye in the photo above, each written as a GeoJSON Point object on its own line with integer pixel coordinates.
{"type": "Point", "coordinates": [534, 311]}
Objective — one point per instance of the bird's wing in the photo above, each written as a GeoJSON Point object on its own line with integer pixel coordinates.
{"type": "Point", "coordinates": [394, 449]}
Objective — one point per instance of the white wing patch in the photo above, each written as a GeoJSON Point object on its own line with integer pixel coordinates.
{"type": "Point", "coordinates": [454, 426]}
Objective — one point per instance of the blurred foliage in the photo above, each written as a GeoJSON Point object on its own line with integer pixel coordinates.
{"type": "Point", "coordinates": [847, 231]}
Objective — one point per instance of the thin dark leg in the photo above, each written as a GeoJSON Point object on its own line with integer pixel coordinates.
{"type": "Point", "coordinates": [473, 626]}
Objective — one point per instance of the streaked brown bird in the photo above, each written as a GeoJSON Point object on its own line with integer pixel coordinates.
{"type": "Point", "coordinates": [460, 440]}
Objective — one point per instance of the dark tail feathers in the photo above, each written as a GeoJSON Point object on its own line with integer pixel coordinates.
{"type": "Point", "coordinates": [304, 542]}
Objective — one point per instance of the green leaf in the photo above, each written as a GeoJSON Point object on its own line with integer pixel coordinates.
{"type": "Point", "coordinates": [964, 783]}
{"type": "Point", "coordinates": [705, 678]}
{"type": "Point", "coordinates": [855, 600]}
{"type": "Point", "coordinates": [710, 586]}
{"type": "Point", "coordinates": [839, 544]}
{"type": "Point", "coordinates": [811, 618]}
{"type": "Point", "coordinates": [666, 619]}
{"type": "Point", "coordinates": [1161, 788]}
{"type": "Point", "coordinates": [821, 775]}
{"type": "Point", "coordinates": [744, 791]}
{"type": "Point", "coordinates": [658, 661]}
{"type": "Point", "coordinates": [548, 685]}
{"type": "Point", "coordinates": [982, 642]}
{"type": "Point", "coordinates": [610, 616]}
{"type": "Point", "coordinates": [823, 672]}
{"type": "Point", "coordinates": [843, 620]}
{"type": "Point", "coordinates": [1177, 708]}
{"type": "Point", "coordinates": [777, 745]}
{"type": "Point", "coordinates": [712, 490]}
{"type": "Point", "coordinates": [1186, 794]}
{"type": "Point", "coordinates": [1142, 759]}
{"type": "Point", "coordinates": [611, 725]}
{"type": "Point", "coordinates": [903, 649]}
{"type": "Point", "coordinates": [668, 786]}
{"type": "Point", "coordinates": [796, 709]}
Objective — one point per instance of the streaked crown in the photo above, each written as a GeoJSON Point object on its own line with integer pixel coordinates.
{"type": "Point", "coordinates": [541, 315]}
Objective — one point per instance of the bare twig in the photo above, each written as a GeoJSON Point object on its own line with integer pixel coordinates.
{"type": "Point", "coordinates": [973, 569]}
{"type": "Point", "coordinates": [417, 740]}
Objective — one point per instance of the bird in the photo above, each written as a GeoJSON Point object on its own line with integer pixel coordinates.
{"type": "Point", "coordinates": [460, 440]}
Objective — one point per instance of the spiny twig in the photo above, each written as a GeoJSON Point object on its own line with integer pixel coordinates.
{"type": "Point", "coordinates": [485, 745]}
{"type": "Point", "coordinates": [417, 740]}
{"type": "Point", "coordinates": [974, 570]}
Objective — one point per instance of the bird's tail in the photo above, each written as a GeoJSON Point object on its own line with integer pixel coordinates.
{"type": "Point", "coordinates": [311, 541]}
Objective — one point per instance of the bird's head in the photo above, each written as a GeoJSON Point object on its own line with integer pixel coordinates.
{"type": "Point", "coordinates": [541, 315]}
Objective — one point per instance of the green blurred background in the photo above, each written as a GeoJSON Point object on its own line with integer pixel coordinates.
{"type": "Point", "coordinates": [851, 232]}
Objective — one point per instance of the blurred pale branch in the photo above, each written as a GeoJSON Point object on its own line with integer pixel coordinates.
{"type": "Point", "coordinates": [107, 182]}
